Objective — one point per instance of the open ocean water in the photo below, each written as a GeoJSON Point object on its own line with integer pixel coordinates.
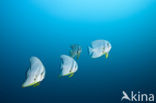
{"type": "Point", "coordinates": [47, 28]}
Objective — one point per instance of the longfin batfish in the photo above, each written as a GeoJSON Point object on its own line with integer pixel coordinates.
{"type": "Point", "coordinates": [99, 48]}
{"type": "Point", "coordinates": [69, 66]}
{"type": "Point", "coordinates": [75, 51]}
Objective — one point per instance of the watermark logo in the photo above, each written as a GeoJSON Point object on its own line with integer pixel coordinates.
{"type": "Point", "coordinates": [137, 97]}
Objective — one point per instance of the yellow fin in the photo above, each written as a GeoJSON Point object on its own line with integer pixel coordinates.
{"type": "Point", "coordinates": [106, 55]}
{"type": "Point", "coordinates": [37, 84]}
{"type": "Point", "coordinates": [71, 75]}
{"type": "Point", "coordinates": [29, 85]}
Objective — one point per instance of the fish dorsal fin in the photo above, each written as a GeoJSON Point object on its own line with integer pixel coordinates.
{"type": "Point", "coordinates": [97, 43]}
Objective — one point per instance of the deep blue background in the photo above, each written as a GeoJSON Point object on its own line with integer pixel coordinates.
{"type": "Point", "coordinates": [47, 28]}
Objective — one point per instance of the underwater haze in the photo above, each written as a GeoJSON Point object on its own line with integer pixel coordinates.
{"type": "Point", "coordinates": [47, 29]}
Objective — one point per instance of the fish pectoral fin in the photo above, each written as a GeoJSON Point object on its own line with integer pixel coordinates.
{"type": "Point", "coordinates": [37, 84]}
{"type": "Point", "coordinates": [71, 75]}
{"type": "Point", "coordinates": [106, 55]}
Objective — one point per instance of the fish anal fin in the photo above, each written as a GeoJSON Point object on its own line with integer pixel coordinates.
{"type": "Point", "coordinates": [106, 55]}
{"type": "Point", "coordinates": [71, 75]}
{"type": "Point", "coordinates": [37, 84]}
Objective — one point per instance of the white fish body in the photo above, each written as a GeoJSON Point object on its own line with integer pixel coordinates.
{"type": "Point", "coordinates": [36, 73]}
{"type": "Point", "coordinates": [69, 66]}
{"type": "Point", "coordinates": [99, 48]}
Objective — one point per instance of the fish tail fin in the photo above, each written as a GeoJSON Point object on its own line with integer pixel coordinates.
{"type": "Point", "coordinates": [90, 50]}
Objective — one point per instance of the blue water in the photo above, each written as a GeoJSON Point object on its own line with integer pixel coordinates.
{"type": "Point", "coordinates": [47, 28]}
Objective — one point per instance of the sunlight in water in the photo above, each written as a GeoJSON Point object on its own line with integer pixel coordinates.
{"type": "Point", "coordinates": [92, 10]}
